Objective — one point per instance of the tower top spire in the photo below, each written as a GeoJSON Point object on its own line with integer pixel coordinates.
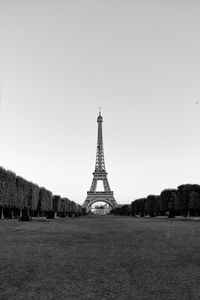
{"type": "Point", "coordinates": [99, 119]}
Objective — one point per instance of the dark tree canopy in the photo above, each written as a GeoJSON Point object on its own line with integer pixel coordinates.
{"type": "Point", "coordinates": [16, 193]}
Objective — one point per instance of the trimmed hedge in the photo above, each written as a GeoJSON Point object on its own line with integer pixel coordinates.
{"type": "Point", "coordinates": [183, 201]}
{"type": "Point", "coordinates": [24, 199]}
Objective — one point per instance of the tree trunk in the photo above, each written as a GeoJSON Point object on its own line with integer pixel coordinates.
{"type": "Point", "coordinates": [171, 214]}
{"type": "Point", "coordinates": [20, 213]}
{"type": "Point", "coordinates": [11, 214]}
{"type": "Point", "coordinates": [2, 214]}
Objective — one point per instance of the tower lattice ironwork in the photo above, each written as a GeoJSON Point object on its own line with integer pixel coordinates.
{"type": "Point", "coordinates": [100, 174]}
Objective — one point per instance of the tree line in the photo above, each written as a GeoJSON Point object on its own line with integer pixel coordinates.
{"type": "Point", "coordinates": [23, 199]}
{"type": "Point", "coordinates": [183, 201]}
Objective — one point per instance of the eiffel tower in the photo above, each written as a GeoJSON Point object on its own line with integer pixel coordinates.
{"type": "Point", "coordinates": [100, 174]}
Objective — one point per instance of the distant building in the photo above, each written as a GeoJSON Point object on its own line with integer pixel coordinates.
{"type": "Point", "coordinates": [101, 210]}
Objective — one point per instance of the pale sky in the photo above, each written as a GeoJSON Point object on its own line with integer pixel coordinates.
{"type": "Point", "coordinates": [138, 60]}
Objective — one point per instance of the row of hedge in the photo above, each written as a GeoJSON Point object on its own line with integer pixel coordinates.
{"type": "Point", "coordinates": [19, 196]}
{"type": "Point", "coordinates": [183, 201]}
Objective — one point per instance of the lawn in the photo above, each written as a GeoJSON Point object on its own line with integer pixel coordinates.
{"type": "Point", "coordinates": [100, 257]}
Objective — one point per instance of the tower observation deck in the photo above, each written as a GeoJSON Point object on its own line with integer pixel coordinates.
{"type": "Point", "coordinates": [100, 173]}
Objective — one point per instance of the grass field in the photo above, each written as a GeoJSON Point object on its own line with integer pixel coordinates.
{"type": "Point", "coordinates": [100, 257]}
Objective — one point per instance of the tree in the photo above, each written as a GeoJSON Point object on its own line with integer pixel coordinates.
{"type": "Point", "coordinates": [35, 193]}
{"type": "Point", "coordinates": [133, 210]}
{"type": "Point", "coordinates": [151, 205]}
{"type": "Point", "coordinates": [164, 199]}
{"type": "Point", "coordinates": [194, 203]}
{"type": "Point", "coordinates": [171, 204]}
{"type": "Point", "coordinates": [125, 210]}
{"type": "Point", "coordinates": [116, 210]}
{"type": "Point", "coordinates": [141, 203]}
{"type": "Point", "coordinates": [184, 190]}
{"type": "Point", "coordinates": [65, 209]}
{"type": "Point", "coordinates": [80, 210]}
{"type": "Point", "coordinates": [166, 202]}
{"type": "Point", "coordinates": [2, 190]}
{"type": "Point", "coordinates": [10, 192]}
{"type": "Point", "coordinates": [22, 191]}
{"type": "Point", "coordinates": [45, 201]}
{"type": "Point", "coordinates": [73, 208]}
{"type": "Point", "coordinates": [138, 207]}
{"type": "Point", "coordinates": [56, 203]}
{"type": "Point", "coordinates": [18, 193]}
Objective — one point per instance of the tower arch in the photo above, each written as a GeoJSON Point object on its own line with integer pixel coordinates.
{"type": "Point", "coordinates": [107, 201]}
